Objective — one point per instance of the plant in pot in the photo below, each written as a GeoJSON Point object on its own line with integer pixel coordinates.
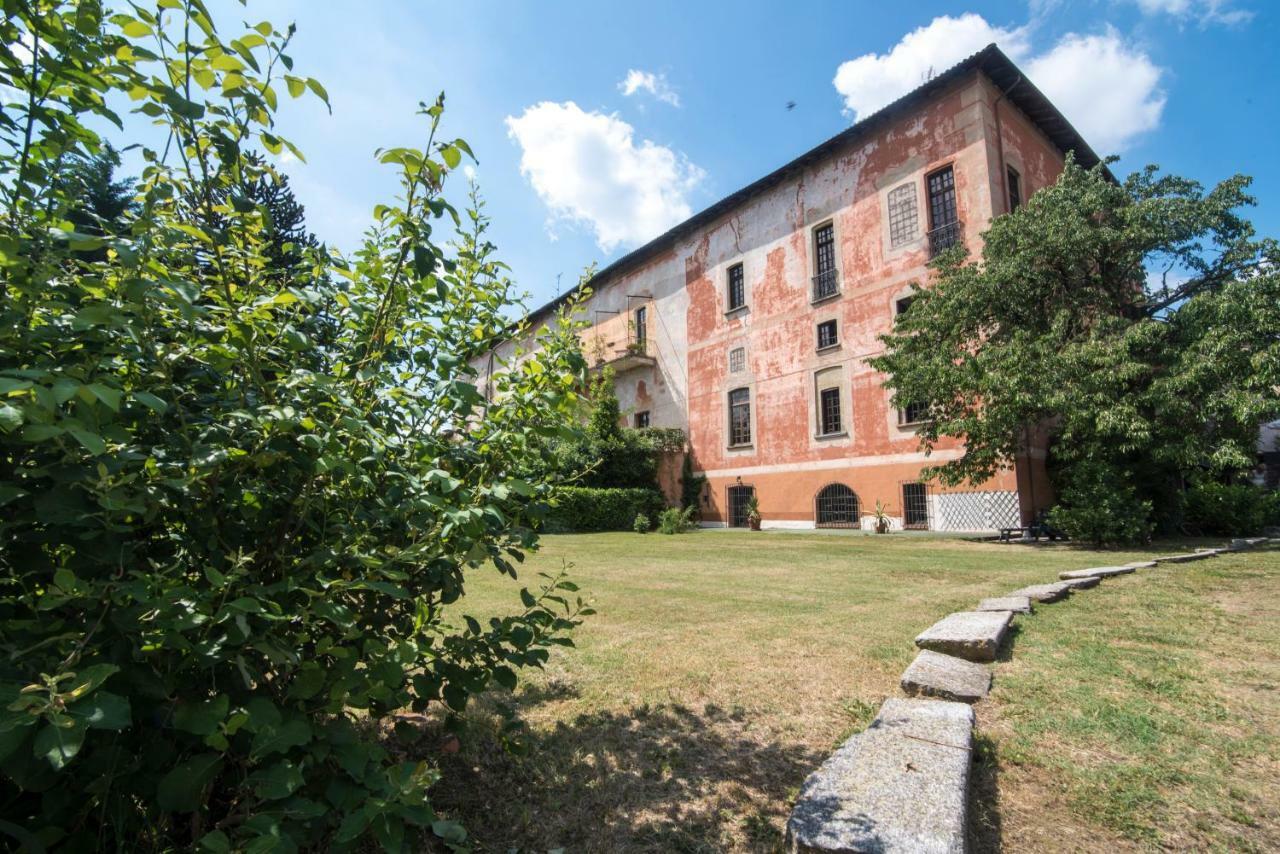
{"type": "Point", "coordinates": [881, 515]}
{"type": "Point", "coordinates": [753, 513]}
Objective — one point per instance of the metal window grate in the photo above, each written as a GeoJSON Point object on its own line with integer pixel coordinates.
{"type": "Point", "coordinates": [829, 410]}
{"type": "Point", "coordinates": [738, 498]}
{"type": "Point", "coordinates": [737, 288]}
{"type": "Point", "coordinates": [1015, 189]}
{"type": "Point", "coordinates": [904, 216]}
{"type": "Point", "coordinates": [836, 507]}
{"type": "Point", "coordinates": [740, 417]}
{"type": "Point", "coordinates": [915, 506]}
{"type": "Point", "coordinates": [737, 360]}
{"type": "Point", "coordinates": [828, 334]}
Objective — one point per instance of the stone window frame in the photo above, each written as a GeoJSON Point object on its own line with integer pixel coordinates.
{"type": "Point", "coordinates": [742, 366]}
{"type": "Point", "coordinates": [834, 342]}
{"type": "Point", "coordinates": [904, 225]}
{"type": "Point", "coordinates": [730, 406]}
{"type": "Point", "coordinates": [826, 380]}
{"type": "Point", "coordinates": [741, 269]}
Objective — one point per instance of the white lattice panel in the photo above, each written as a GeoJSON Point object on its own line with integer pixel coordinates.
{"type": "Point", "coordinates": [976, 511]}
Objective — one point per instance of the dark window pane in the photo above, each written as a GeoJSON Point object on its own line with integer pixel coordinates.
{"type": "Point", "coordinates": [830, 411]}
{"type": "Point", "coordinates": [825, 283]}
{"type": "Point", "coordinates": [827, 334]}
{"type": "Point", "coordinates": [942, 198]}
{"type": "Point", "coordinates": [915, 506]}
{"type": "Point", "coordinates": [901, 306]}
{"type": "Point", "coordinates": [737, 288]}
{"type": "Point", "coordinates": [740, 417]}
{"type": "Point", "coordinates": [642, 324]}
{"type": "Point", "coordinates": [837, 507]}
{"type": "Point", "coordinates": [642, 420]}
{"type": "Point", "coordinates": [739, 496]}
{"type": "Point", "coordinates": [1015, 189]}
{"type": "Point", "coordinates": [914, 413]}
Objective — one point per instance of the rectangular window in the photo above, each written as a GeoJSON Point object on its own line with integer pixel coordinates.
{"type": "Point", "coordinates": [944, 220]}
{"type": "Point", "coordinates": [737, 360]}
{"type": "Point", "coordinates": [642, 324]}
{"type": "Point", "coordinates": [904, 217]}
{"type": "Point", "coordinates": [829, 410]}
{"type": "Point", "coordinates": [642, 420]}
{"type": "Point", "coordinates": [914, 413]}
{"type": "Point", "coordinates": [737, 288]}
{"type": "Point", "coordinates": [828, 334]}
{"type": "Point", "coordinates": [1015, 189]}
{"type": "Point", "coordinates": [740, 417]}
{"type": "Point", "coordinates": [824, 253]}
{"type": "Point", "coordinates": [915, 506]}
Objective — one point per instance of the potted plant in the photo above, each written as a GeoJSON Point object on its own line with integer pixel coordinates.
{"type": "Point", "coordinates": [753, 513]}
{"type": "Point", "coordinates": [881, 515]}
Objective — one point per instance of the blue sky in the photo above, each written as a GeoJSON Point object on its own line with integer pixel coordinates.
{"type": "Point", "coordinates": [597, 126]}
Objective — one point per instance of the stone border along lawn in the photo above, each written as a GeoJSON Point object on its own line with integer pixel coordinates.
{"type": "Point", "coordinates": [903, 783]}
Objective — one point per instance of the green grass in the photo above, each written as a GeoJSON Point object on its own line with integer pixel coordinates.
{"type": "Point", "coordinates": [720, 669]}
{"type": "Point", "coordinates": [1144, 717]}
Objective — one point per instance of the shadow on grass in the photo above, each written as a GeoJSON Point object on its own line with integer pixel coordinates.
{"type": "Point", "coordinates": [660, 778]}
{"type": "Point", "coordinates": [985, 832]}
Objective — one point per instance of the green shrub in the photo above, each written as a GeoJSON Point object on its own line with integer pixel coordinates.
{"type": "Point", "coordinates": [1238, 510]}
{"type": "Point", "coordinates": [1097, 506]}
{"type": "Point", "coordinates": [676, 520]}
{"type": "Point", "coordinates": [642, 524]}
{"type": "Point", "coordinates": [237, 509]}
{"type": "Point", "coordinates": [583, 509]}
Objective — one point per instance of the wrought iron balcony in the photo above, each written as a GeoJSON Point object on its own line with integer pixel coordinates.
{"type": "Point", "coordinates": [825, 285]}
{"type": "Point", "coordinates": [944, 237]}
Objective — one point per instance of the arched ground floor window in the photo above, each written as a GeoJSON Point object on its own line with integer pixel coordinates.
{"type": "Point", "coordinates": [836, 507]}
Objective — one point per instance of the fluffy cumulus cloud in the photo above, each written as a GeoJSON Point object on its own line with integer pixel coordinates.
{"type": "Point", "coordinates": [873, 80]}
{"type": "Point", "coordinates": [588, 168]}
{"type": "Point", "coordinates": [1109, 89]}
{"type": "Point", "coordinates": [647, 81]}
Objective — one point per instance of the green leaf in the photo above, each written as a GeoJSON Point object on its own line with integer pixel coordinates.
{"type": "Point", "coordinates": [10, 418]}
{"type": "Point", "coordinates": [449, 831]}
{"type": "Point", "coordinates": [150, 401]}
{"type": "Point", "coordinates": [110, 397]}
{"type": "Point", "coordinates": [92, 442]}
{"type": "Point", "coordinates": [103, 710]}
{"type": "Point", "coordinates": [182, 789]}
{"type": "Point", "coordinates": [202, 718]}
{"type": "Point", "coordinates": [271, 740]}
{"type": "Point", "coordinates": [296, 85]}
{"type": "Point", "coordinates": [215, 842]}
{"type": "Point", "coordinates": [278, 781]}
{"type": "Point", "coordinates": [59, 744]}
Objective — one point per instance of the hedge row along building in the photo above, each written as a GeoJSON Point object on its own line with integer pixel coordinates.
{"type": "Point", "coordinates": [749, 325]}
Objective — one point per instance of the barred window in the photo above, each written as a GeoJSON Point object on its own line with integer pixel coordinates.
{"type": "Point", "coordinates": [915, 412]}
{"type": "Point", "coordinates": [737, 360]}
{"type": "Point", "coordinates": [737, 288]}
{"type": "Point", "coordinates": [915, 505]}
{"type": "Point", "coordinates": [904, 217]}
{"type": "Point", "coordinates": [828, 334]}
{"type": "Point", "coordinates": [740, 417]}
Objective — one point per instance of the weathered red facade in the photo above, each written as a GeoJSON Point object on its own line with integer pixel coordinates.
{"type": "Point", "coordinates": [839, 235]}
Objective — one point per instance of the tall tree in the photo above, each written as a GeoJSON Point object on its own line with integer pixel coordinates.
{"type": "Point", "coordinates": [1135, 323]}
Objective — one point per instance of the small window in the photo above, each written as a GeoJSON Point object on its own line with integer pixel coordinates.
{"type": "Point", "coordinates": [737, 360]}
{"type": "Point", "coordinates": [901, 306]}
{"type": "Point", "coordinates": [642, 324]}
{"type": "Point", "coordinates": [829, 410]}
{"type": "Point", "coordinates": [904, 217]}
{"type": "Point", "coordinates": [915, 506]}
{"type": "Point", "coordinates": [740, 417]}
{"type": "Point", "coordinates": [642, 420]}
{"type": "Point", "coordinates": [737, 288]}
{"type": "Point", "coordinates": [914, 413]}
{"type": "Point", "coordinates": [1015, 189]}
{"type": "Point", "coordinates": [828, 335]}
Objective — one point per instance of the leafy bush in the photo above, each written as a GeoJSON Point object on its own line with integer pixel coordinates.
{"type": "Point", "coordinates": [609, 456]}
{"type": "Point", "coordinates": [676, 520]}
{"type": "Point", "coordinates": [1097, 506]}
{"type": "Point", "coordinates": [1216, 509]}
{"type": "Point", "coordinates": [584, 508]}
{"type": "Point", "coordinates": [642, 524]}
{"type": "Point", "coordinates": [237, 510]}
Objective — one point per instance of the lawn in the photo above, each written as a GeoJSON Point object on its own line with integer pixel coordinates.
{"type": "Point", "coordinates": [722, 667]}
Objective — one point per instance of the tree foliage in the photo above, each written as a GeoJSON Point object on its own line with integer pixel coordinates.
{"type": "Point", "coordinates": [1136, 323]}
{"type": "Point", "coordinates": [228, 553]}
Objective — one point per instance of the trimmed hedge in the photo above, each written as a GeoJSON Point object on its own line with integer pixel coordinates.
{"type": "Point", "coordinates": [1238, 510]}
{"type": "Point", "coordinates": [580, 509]}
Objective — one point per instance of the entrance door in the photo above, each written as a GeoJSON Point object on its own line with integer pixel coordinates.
{"type": "Point", "coordinates": [738, 498]}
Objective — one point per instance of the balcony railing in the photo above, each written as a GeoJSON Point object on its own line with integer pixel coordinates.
{"type": "Point", "coordinates": [825, 284]}
{"type": "Point", "coordinates": [944, 237]}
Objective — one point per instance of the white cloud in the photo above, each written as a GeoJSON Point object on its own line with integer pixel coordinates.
{"type": "Point", "coordinates": [646, 81]}
{"type": "Point", "coordinates": [1204, 11]}
{"type": "Point", "coordinates": [588, 168]}
{"type": "Point", "coordinates": [871, 81]}
{"type": "Point", "coordinates": [1107, 88]}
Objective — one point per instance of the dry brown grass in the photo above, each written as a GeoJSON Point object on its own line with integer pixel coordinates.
{"type": "Point", "coordinates": [720, 670]}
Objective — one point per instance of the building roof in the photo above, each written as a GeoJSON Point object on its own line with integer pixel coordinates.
{"type": "Point", "coordinates": [991, 61]}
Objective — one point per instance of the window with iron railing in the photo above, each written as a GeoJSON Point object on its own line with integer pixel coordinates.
{"type": "Point", "coordinates": [737, 288]}
{"type": "Point", "coordinates": [826, 282]}
{"type": "Point", "coordinates": [945, 229]}
{"type": "Point", "coordinates": [740, 417]}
